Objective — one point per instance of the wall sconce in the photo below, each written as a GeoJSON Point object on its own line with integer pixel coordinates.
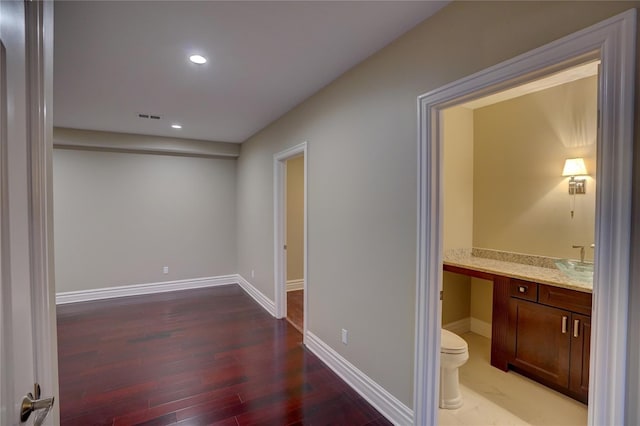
{"type": "Point", "coordinates": [575, 167]}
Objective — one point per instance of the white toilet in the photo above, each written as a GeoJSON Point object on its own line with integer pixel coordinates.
{"type": "Point", "coordinates": [454, 352]}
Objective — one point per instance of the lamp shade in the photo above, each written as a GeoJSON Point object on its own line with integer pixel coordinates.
{"type": "Point", "coordinates": [574, 167]}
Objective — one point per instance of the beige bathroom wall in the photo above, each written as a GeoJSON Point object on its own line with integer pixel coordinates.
{"type": "Point", "coordinates": [481, 300]}
{"type": "Point", "coordinates": [362, 170]}
{"type": "Point", "coordinates": [295, 218]}
{"type": "Point", "coordinates": [521, 202]}
{"type": "Point", "coordinates": [458, 206]}
{"type": "Point", "coordinates": [458, 178]}
{"type": "Point", "coordinates": [120, 217]}
{"type": "Point", "coordinates": [456, 297]}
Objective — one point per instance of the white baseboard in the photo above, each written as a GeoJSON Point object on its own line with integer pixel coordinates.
{"type": "Point", "coordinates": [480, 327]}
{"type": "Point", "coordinates": [459, 327]}
{"type": "Point", "coordinates": [387, 404]}
{"type": "Point", "coordinates": [293, 285]}
{"type": "Point", "coordinates": [471, 324]}
{"type": "Point", "coordinates": [257, 295]}
{"type": "Point", "coordinates": [139, 289]}
{"type": "Point", "coordinates": [162, 287]}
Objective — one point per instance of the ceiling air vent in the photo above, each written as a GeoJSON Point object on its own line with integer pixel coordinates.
{"type": "Point", "coordinates": [149, 116]}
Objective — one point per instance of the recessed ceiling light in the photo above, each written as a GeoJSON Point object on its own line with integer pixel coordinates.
{"type": "Point", "coordinates": [198, 59]}
{"type": "Point", "coordinates": [176, 126]}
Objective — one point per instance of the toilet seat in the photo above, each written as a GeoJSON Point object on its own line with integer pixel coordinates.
{"type": "Point", "coordinates": [451, 343]}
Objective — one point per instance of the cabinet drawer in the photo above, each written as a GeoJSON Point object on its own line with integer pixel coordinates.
{"type": "Point", "coordinates": [575, 301]}
{"type": "Point", "coordinates": [524, 290]}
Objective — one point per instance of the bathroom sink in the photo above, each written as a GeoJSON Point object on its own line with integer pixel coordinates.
{"type": "Point", "coordinates": [576, 270]}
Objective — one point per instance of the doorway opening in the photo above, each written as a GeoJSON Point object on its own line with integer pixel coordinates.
{"type": "Point", "coordinates": [612, 43]}
{"type": "Point", "coordinates": [507, 220]}
{"type": "Point", "coordinates": [290, 239]}
{"type": "Point", "coordinates": [294, 240]}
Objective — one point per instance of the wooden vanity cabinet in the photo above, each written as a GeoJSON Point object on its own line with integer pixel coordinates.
{"type": "Point", "coordinates": [580, 347]}
{"type": "Point", "coordinates": [547, 341]}
{"type": "Point", "coordinates": [527, 331]}
{"type": "Point", "coordinates": [540, 347]}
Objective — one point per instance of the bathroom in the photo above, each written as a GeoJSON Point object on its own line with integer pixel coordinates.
{"type": "Point", "coordinates": [506, 190]}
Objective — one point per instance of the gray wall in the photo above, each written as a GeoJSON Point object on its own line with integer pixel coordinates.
{"type": "Point", "coordinates": [361, 131]}
{"type": "Point", "coordinates": [120, 217]}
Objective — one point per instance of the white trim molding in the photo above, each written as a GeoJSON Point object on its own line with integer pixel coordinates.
{"type": "Point", "coordinates": [167, 286]}
{"type": "Point", "coordinates": [279, 226]}
{"type": "Point", "coordinates": [293, 285]}
{"type": "Point", "coordinates": [388, 405]}
{"type": "Point", "coordinates": [139, 289]}
{"type": "Point", "coordinates": [481, 328]}
{"type": "Point", "coordinates": [459, 327]}
{"type": "Point", "coordinates": [613, 43]}
{"type": "Point", "coordinates": [469, 324]}
{"type": "Point", "coordinates": [256, 294]}
{"type": "Point", "coordinates": [39, 61]}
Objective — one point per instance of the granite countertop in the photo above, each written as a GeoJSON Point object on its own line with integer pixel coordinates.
{"type": "Point", "coordinates": [514, 265]}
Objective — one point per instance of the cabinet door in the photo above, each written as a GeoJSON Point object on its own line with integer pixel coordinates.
{"type": "Point", "coordinates": [541, 338]}
{"type": "Point", "coordinates": [580, 347]}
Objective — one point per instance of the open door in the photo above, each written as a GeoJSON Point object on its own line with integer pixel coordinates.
{"type": "Point", "coordinates": [27, 296]}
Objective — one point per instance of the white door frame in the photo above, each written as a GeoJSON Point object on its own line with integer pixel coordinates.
{"type": "Point", "coordinates": [613, 42]}
{"type": "Point", "coordinates": [40, 69]}
{"type": "Point", "coordinates": [5, 385]}
{"type": "Point", "coordinates": [279, 214]}
{"type": "Point", "coordinates": [28, 304]}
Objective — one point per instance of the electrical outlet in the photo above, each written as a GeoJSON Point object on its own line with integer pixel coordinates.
{"type": "Point", "coordinates": [345, 336]}
{"type": "Point", "coordinates": [253, 273]}
{"type": "Point", "coordinates": [165, 269]}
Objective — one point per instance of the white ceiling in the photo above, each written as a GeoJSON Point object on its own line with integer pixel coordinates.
{"type": "Point", "coordinates": [113, 60]}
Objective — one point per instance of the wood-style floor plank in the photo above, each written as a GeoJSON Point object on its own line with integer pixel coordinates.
{"type": "Point", "coordinates": [295, 308]}
{"type": "Point", "coordinates": [196, 357]}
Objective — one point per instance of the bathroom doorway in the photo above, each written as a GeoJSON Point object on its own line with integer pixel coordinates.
{"type": "Point", "coordinates": [290, 236]}
{"type": "Point", "coordinates": [508, 215]}
{"type": "Point", "coordinates": [610, 41]}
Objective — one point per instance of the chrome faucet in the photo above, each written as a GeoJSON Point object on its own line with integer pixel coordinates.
{"type": "Point", "coordinates": [581, 252]}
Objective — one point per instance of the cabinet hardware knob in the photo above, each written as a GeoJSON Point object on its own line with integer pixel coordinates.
{"type": "Point", "coordinates": [576, 328]}
{"type": "Point", "coordinates": [564, 324]}
{"type": "Point", "coordinates": [522, 289]}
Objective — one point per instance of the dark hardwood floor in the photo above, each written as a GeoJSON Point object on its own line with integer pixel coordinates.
{"type": "Point", "coordinates": [197, 357]}
{"type": "Point", "coordinates": [295, 308]}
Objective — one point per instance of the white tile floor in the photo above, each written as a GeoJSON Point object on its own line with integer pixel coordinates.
{"type": "Point", "coordinates": [493, 397]}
